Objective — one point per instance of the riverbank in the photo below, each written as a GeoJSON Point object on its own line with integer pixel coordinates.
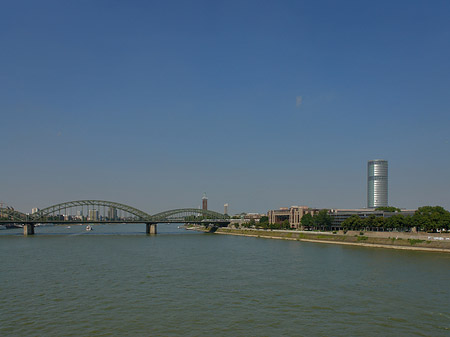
{"type": "Point", "coordinates": [391, 240]}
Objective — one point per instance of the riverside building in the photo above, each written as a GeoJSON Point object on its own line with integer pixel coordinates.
{"type": "Point", "coordinates": [339, 215]}
{"type": "Point", "coordinates": [293, 214]}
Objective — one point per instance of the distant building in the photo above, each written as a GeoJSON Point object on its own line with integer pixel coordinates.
{"type": "Point", "coordinates": [293, 214]}
{"type": "Point", "coordinates": [253, 216]}
{"type": "Point", "coordinates": [339, 215]}
{"type": "Point", "coordinates": [242, 218]}
{"type": "Point", "coordinates": [79, 215]}
{"type": "Point", "coordinates": [204, 202]}
{"type": "Point", "coordinates": [112, 213]}
{"type": "Point", "coordinates": [34, 210]}
{"type": "Point", "coordinates": [225, 209]}
{"type": "Point", "coordinates": [377, 183]}
{"type": "Point", "coordinates": [93, 215]}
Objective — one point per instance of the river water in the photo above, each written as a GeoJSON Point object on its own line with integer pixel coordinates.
{"type": "Point", "coordinates": [117, 281]}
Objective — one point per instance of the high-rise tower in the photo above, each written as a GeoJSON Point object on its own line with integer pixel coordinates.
{"type": "Point", "coordinates": [204, 201]}
{"type": "Point", "coordinates": [377, 183]}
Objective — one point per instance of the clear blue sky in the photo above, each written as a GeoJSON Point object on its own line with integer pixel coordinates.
{"type": "Point", "coordinates": [261, 104]}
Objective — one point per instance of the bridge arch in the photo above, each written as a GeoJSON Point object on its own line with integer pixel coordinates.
{"type": "Point", "coordinates": [9, 213]}
{"type": "Point", "coordinates": [58, 208]}
{"type": "Point", "coordinates": [187, 214]}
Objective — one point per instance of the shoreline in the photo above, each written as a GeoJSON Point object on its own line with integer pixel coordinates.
{"type": "Point", "coordinates": [318, 237]}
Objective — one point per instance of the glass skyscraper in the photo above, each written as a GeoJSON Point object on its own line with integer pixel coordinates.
{"type": "Point", "coordinates": [377, 183]}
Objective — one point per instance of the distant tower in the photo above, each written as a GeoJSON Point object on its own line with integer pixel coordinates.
{"type": "Point", "coordinates": [204, 201]}
{"type": "Point", "coordinates": [377, 183]}
{"type": "Point", "coordinates": [225, 209]}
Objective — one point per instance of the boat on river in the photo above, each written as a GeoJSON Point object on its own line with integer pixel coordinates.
{"type": "Point", "coordinates": [88, 227]}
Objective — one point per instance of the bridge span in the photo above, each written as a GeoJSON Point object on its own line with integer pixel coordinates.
{"type": "Point", "coordinates": [108, 212]}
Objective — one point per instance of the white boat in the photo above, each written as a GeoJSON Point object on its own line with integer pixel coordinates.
{"type": "Point", "coordinates": [68, 226]}
{"type": "Point", "coordinates": [88, 227]}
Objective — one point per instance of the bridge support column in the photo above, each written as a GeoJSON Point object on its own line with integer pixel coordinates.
{"type": "Point", "coordinates": [28, 229]}
{"type": "Point", "coordinates": [150, 228]}
{"type": "Point", "coordinates": [211, 228]}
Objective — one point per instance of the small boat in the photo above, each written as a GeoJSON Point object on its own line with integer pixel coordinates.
{"type": "Point", "coordinates": [88, 227]}
{"type": "Point", "coordinates": [68, 226]}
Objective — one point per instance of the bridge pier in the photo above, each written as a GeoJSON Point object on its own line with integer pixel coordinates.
{"type": "Point", "coordinates": [150, 228]}
{"type": "Point", "coordinates": [212, 228]}
{"type": "Point", "coordinates": [28, 229]}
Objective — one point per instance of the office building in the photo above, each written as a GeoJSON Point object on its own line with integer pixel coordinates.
{"type": "Point", "coordinates": [377, 183]}
{"type": "Point", "coordinates": [338, 216]}
{"type": "Point", "coordinates": [225, 209]}
{"type": "Point", "coordinates": [293, 214]}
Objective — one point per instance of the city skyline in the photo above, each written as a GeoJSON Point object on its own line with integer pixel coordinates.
{"type": "Point", "coordinates": [262, 105]}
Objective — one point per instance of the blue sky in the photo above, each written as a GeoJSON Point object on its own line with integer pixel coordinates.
{"type": "Point", "coordinates": [261, 104]}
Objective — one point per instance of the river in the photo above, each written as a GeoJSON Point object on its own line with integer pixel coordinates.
{"type": "Point", "coordinates": [117, 281]}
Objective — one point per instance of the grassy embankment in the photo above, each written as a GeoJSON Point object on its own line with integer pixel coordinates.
{"type": "Point", "coordinates": [360, 240]}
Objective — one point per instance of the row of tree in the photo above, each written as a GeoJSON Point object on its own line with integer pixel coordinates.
{"type": "Point", "coordinates": [426, 218]}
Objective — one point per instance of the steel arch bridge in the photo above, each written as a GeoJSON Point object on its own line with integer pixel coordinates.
{"type": "Point", "coordinates": [91, 205]}
{"type": "Point", "coordinates": [189, 215]}
{"type": "Point", "coordinates": [101, 211]}
{"type": "Point", "coordinates": [8, 213]}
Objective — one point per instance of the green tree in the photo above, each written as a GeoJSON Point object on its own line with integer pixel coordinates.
{"type": "Point", "coordinates": [285, 224]}
{"type": "Point", "coordinates": [431, 218]}
{"type": "Point", "coordinates": [307, 221]}
{"type": "Point", "coordinates": [353, 222]}
{"type": "Point", "coordinates": [379, 222]}
{"type": "Point", "coordinates": [263, 225]}
{"type": "Point", "coordinates": [398, 222]}
{"type": "Point", "coordinates": [370, 221]}
{"type": "Point", "coordinates": [322, 219]}
{"type": "Point", "coordinates": [274, 226]}
{"type": "Point", "coordinates": [264, 220]}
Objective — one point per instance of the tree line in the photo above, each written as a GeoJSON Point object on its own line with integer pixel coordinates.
{"type": "Point", "coordinates": [426, 218]}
